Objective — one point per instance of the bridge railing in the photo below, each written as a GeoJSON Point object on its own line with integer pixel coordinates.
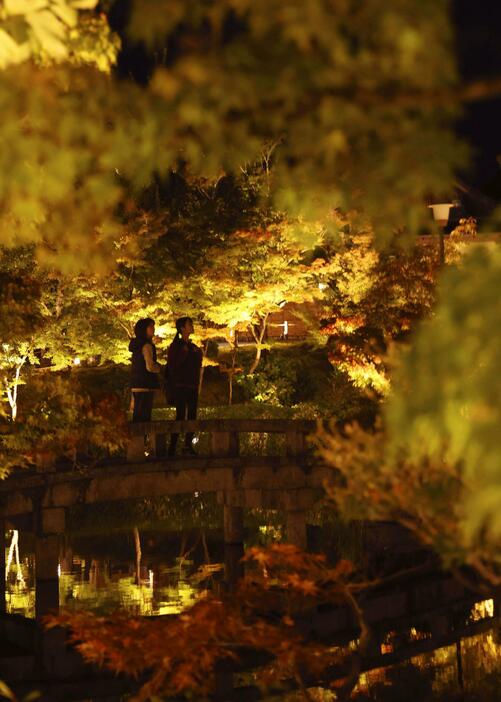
{"type": "Point", "coordinates": [224, 435]}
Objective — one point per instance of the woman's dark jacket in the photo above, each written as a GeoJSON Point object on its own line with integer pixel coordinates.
{"type": "Point", "coordinates": [184, 362]}
{"type": "Point", "coordinates": [141, 377]}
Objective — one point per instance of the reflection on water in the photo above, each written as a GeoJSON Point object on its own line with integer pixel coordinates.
{"type": "Point", "coordinates": [470, 669]}
{"type": "Point", "coordinates": [157, 582]}
{"type": "Point", "coordinates": [104, 585]}
{"type": "Point", "coordinates": [163, 590]}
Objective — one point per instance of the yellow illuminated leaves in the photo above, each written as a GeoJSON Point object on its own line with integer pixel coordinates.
{"type": "Point", "coordinates": [10, 50]}
{"type": "Point", "coordinates": [46, 24]}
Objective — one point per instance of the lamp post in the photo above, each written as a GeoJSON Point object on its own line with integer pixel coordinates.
{"type": "Point", "coordinates": [441, 213]}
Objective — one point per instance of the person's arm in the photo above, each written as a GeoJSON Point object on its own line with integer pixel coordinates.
{"type": "Point", "coordinates": [151, 365]}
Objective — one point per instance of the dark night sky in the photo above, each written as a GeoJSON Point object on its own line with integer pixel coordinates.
{"type": "Point", "coordinates": [478, 39]}
{"type": "Point", "coordinates": [478, 31]}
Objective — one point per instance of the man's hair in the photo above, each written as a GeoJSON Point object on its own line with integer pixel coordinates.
{"type": "Point", "coordinates": [179, 326]}
{"type": "Point", "coordinates": [180, 323]}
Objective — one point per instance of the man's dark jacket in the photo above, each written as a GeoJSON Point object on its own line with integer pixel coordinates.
{"type": "Point", "coordinates": [184, 362]}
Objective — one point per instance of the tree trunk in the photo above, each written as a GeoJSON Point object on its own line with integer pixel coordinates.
{"type": "Point", "coordinates": [256, 360]}
{"type": "Point", "coordinates": [10, 554]}
{"type": "Point", "coordinates": [258, 338]}
{"type": "Point", "coordinates": [259, 342]}
{"type": "Point", "coordinates": [231, 373]}
{"type": "Point", "coordinates": [12, 391]}
{"type": "Point", "coordinates": [137, 543]}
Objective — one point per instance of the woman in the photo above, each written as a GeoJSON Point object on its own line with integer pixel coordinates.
{"type": "Point", "coordinates": [145, 370]}
{"type": "Point", "coordinates": [183, 366]}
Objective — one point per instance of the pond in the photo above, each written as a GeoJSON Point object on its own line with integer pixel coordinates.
{"type": "Point", "coordinates": [106, 564]}
{"type": "Point", "coordinates": [135, 572]}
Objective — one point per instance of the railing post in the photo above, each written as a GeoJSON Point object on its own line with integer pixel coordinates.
{"type": "Point", "coordinates": [296, 442]}
{"type": "Point", "coordinates": [138, 442]}
{"type": "Point", "coordinates": [160, 445]}
{"type": "Point", "coordinates": [225, 443]}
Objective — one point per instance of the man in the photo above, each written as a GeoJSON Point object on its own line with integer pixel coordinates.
{"type": "Point", "coordinates": [183, 371]}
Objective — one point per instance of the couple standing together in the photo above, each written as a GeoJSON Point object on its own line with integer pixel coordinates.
{"type": "Point", "coordinates": [182, 375]}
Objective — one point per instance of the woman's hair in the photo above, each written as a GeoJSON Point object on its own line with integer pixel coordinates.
{"type": "Point", "coordinates": [141, 326]}
{"type": "Point", "coordinates": [180, 323]}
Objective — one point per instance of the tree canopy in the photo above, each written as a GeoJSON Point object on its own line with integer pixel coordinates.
{"type": "Point", "coordinates": [351, 101]}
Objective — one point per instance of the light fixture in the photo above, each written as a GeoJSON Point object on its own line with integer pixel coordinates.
{"type": "Point", "coordinates": [76, 361]}
{"type": "Point", "coordinates": [441, 212]}
{"type": "Point", "coordinates": [282, 303]}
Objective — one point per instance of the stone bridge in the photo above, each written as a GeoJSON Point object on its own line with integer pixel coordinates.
{"type": "Point", "coordinates": [282, 481]}
{"type": "Point", "coordinates": [291, 481]}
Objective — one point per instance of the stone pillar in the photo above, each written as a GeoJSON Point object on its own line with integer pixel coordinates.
{"type": "Point", "coordinates": [3, 545]}
{"type": "Point", "coordinates": [233, 525]}
{"type": "Point", "coordinates": [233, 545]}
{"type": "Point", "coordinates": [50, 658]}
{"type": "Point", "coordinates": [50, 529]}
{"type": "Point", "coordinates": [46, 575]}
{"type": "Point", "coordinates": [296, 528]}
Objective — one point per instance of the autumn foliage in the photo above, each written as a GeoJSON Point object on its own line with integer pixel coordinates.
{"type": "Point", "coordinates": [373, 300]}
{"type": "Point", "coordinates": [262, 625]}
{"type": "Point", "coordinates": [60, 421]}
